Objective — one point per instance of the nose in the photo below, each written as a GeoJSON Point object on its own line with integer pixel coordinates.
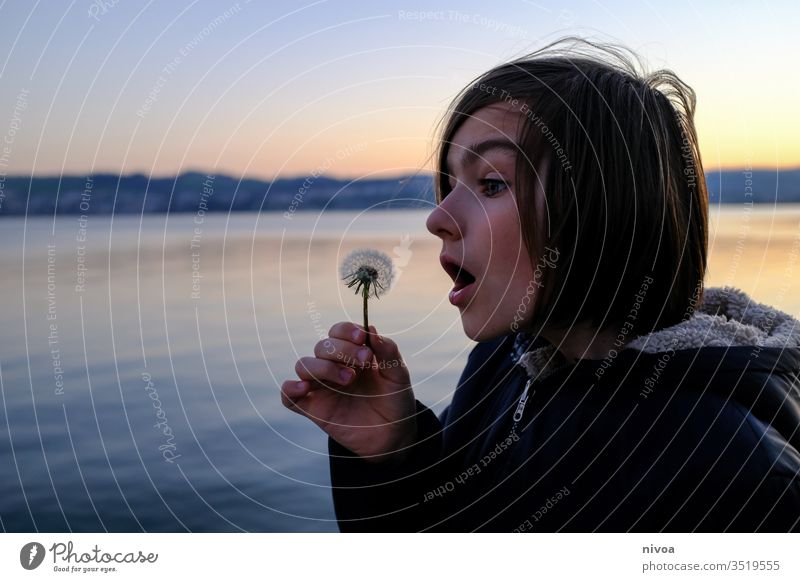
{"type": "Point", "coordinates": [442, 222]}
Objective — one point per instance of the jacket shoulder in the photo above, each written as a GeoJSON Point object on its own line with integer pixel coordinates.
{"type": "Point", "coordinates": [485, 361]}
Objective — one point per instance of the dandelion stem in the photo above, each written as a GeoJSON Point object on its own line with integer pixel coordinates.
{"type": "Point", "coordinates": [366, 318]}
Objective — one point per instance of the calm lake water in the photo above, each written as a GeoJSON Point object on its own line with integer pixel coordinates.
{"type": "Point", "coordinates": [141, 358]}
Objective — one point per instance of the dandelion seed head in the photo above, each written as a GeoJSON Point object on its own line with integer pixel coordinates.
{"type": "Point", "coordinates": [369, 268]}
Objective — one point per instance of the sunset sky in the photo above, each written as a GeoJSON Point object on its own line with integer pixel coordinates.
{"type": "Point", "coordinates": [349, 88]}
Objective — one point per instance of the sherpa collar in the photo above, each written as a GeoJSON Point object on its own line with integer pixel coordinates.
{"type": "Point", "coordinates": [727, 317]}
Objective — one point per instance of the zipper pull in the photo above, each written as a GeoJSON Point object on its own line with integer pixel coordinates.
{"type": "Point", "coordinates": [522, 401]}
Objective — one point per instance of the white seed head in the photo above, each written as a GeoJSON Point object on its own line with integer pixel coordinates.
{"type": "Point", "coordinates": [369, 267]}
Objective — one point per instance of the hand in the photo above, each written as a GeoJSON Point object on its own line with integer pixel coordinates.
{"type": "Point", "coordinates": [362, 398]}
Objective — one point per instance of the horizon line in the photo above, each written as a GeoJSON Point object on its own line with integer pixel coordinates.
{"type": "Point", "coordinates": [327, 176]}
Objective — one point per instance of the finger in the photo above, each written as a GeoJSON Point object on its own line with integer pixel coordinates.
{"type": "Point", "coordinates": [389, 361]}
{"type": "Point", "coordinates": [347, 330]}
{"type": "Point", "coordinates": [296, 389]}
{"type": "Point", "coordinates": [292, 393]}
{"type": "Point", "coordinates": [324, 371]}
{"type": "Point", "coordinates": [343, 351]}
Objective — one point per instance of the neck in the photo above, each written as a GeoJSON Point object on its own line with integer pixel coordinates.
{"type": "Point", "coordinates": [582, 342]}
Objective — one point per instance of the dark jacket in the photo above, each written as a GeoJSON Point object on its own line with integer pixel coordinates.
{"type": "Point", "coordinates": [691, 428]}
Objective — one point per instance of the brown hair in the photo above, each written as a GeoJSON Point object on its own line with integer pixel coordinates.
{"type": "Point", "coordinates": [625, 190]}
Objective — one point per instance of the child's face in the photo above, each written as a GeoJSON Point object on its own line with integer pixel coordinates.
{"type": "Point", "coordinates": [478, 222]}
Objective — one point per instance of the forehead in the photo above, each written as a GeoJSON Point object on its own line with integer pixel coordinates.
{"type": "Point", "coordinates": [496, 118]}
{"type": "Point", "coordinates": [493, 122]}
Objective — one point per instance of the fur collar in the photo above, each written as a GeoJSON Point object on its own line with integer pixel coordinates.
{"type": "Point", "coordinates": [727, 317]}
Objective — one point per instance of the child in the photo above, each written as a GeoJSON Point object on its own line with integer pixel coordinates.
{"type": "Point", "coordinates": [608, 390]}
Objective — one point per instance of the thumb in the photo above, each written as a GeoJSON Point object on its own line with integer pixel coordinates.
{"type": "Point", "coordinates": [390, 363]}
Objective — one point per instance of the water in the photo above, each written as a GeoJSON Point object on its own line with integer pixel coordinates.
{"type": "Point", "coordinates": [142, 392]}
{"type": "Point", "coordinates": [87, 454]}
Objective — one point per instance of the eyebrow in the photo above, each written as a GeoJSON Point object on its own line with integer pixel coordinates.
{"type": "Point", "coordinates": [475, 151]}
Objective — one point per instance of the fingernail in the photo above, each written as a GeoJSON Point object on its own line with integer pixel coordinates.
{"type": "Point", "coordinates": [363, 354]}
{"type": "Point", "coordinates": [346, 374]}
{"type": "Point", "coordinates": [356, 335]}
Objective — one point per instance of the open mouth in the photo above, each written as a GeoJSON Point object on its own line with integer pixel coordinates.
{"type": "Point", "coordinates": [462, 278]}
{"type": "Point", "coordinates": [460, 275]}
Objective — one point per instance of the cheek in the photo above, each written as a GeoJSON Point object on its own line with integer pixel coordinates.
{"type": "Point", "coordinates": [512, 270]}
{"type": "Point", "coordinates": [510, 258]}
{"type": "Point", "coordinates": [523, 289]}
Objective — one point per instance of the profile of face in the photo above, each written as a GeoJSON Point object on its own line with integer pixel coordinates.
{"type": "Point", "coordinates": [479, 223]}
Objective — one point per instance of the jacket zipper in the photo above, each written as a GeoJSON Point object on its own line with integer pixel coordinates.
{"type": "Point", "coordinates": [523, 399]}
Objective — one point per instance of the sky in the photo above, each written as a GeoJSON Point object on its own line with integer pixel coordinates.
{"type": "Point", "coordinates": [346, 88]}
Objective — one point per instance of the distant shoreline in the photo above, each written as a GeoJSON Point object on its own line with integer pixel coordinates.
{"type": "Point", "coordinates": [195, 192]}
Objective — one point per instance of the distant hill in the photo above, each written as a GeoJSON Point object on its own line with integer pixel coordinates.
{"type": "Point", "coordinates": [768, 186]}
{"type": "Point", "coordinates": [134, 194]}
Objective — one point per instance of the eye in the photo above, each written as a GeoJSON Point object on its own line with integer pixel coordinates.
{"type": "Point", "coordinates": [493, 187]}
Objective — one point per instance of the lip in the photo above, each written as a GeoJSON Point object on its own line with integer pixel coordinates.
{"type": "Point", "coordinates": [460, 297]}
{"type": "Point", "coordinates": [460, 294]}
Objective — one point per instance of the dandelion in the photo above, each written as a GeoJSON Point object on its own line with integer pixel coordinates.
{"type": "Point", "coordinates": [371, 272]}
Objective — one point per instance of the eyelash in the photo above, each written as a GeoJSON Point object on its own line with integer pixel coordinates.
{"type": "Point", "coordinates": [488, 181]}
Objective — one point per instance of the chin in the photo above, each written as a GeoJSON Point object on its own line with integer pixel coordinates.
{"type": "Point", "coordinates": [481, 331]}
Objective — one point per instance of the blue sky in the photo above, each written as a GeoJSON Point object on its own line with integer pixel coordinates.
{"type": "Point", "coordinates": [277, 88]}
